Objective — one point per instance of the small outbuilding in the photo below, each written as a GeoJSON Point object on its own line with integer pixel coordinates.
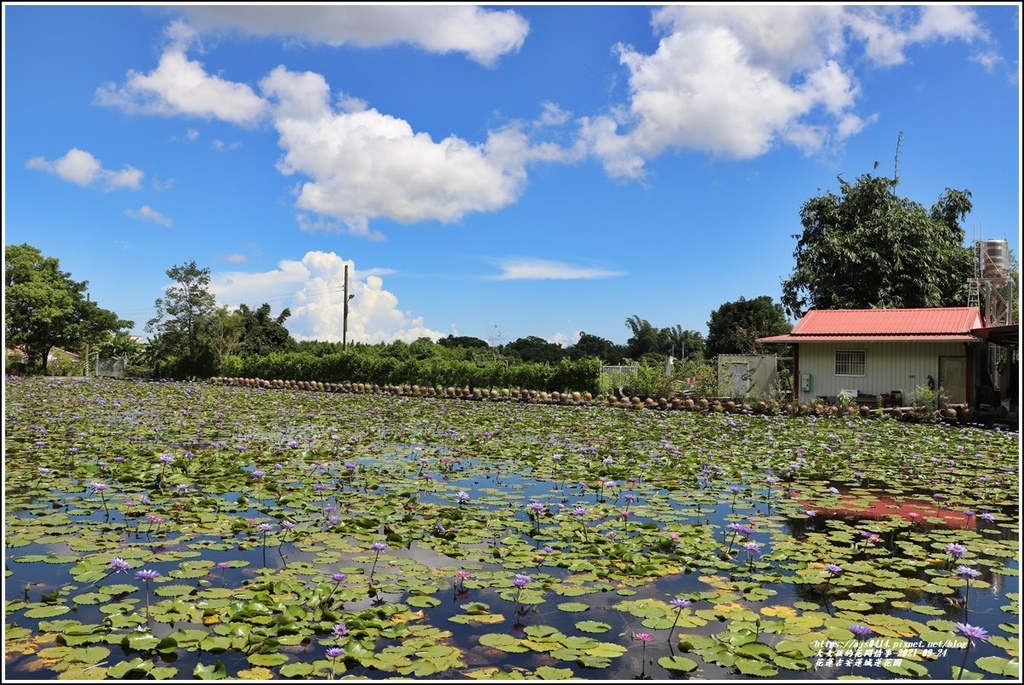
{"type": "Point", "coordinates": [747, 375]}
{"type": "Point", "coordinates": [879, 356]}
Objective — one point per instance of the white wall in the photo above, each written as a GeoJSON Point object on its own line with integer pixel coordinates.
{"type": "Point", "coordinates": [888, 366]}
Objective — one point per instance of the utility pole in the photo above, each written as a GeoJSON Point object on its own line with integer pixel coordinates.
{"type": "Point", "coordinates": [344, 317]}
{"type": "Point", "coordinates": [88, 298]}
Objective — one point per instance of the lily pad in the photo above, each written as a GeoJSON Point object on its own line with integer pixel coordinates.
{"type": "Point", "coordinates": [677, 664]}
{"type": "Point", "coordinates": [593, 627]}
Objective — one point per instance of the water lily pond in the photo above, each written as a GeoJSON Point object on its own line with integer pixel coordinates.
{"type": "Point", "coordinates": [195, 531]}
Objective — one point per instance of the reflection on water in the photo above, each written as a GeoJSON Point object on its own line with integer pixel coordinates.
{"type": "Point", "coordinates": [280, 555]}
{"type": "Point", "coordinates": [492, 496]}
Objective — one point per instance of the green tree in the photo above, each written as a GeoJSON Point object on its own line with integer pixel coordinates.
{"type": "Point", "coordinates": [735, 326]}
{"type": "Point", "coordinates": [223, 330]}
{"type": "Point", "coordinates": [263, 333]}
{"type": "Point", "coordinates": [423, 348]}
{"type": "Point", "coordinates": [535, 349]}
{"type": "Point", "coordinates": [687, 344]}
{"type": "Point", "coordinates": [453, 341]}
{"type": "Point", "coordinates": [868, 247]}
{"type": "Point", "coordinates": [179, 320]}
{"type": "Point", "coordinates": [644, 339]}
{"type": "Point", "coordinates": [45, 309]}
{"type": "Point", "coordinates": [590, 345]}
{"type": "Point", "coordinates": [120, 345]}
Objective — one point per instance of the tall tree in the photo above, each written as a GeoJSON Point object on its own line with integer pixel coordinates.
{"type": "Point", "coordinates": [644, 339]}
{"type": "Point", "coordinates": [120, 345]}
{"type": "Point", "coordinates": [687, 344]}
{"type": "Point", "coordinates": [590, 345]}
{"type": "Point", "coordinates": [263, 333]}
{"type": "Point", "coordinates": [223, 329]}
{"type": "Point", "coordinates": [44, 308]}
{"type": "Point", "coordinates": [179, 319]}
{"type": "Point", "coordinates": [868, 247]}
{"type": "Point", "coordinates": [453, 341]}
{"type": "Point", "coordinates": [735, 326]}
{"type": "Point", "coordinates": [536, 349]}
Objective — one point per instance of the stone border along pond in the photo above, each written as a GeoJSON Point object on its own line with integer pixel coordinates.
{"type": "Point", "coordinates": [159, 530]}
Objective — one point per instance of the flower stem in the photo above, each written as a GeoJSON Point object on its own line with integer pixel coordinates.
{"type": "Point", "coordinates": [963, 663]}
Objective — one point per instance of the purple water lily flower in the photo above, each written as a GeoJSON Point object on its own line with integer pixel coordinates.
{"type": "Point", "coordinates": [972, 633]}
{"type": "Point", "coordinates": [860, 630]}
{"type": "Point", "coordinates": [956, 550]}
{"type": "Point", "coordinates": [147, 574]}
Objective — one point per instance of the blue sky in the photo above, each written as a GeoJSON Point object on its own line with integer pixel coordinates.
{"type": "Point", "coordinates": [495, 171]}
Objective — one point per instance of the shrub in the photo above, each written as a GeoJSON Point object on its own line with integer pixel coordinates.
{"type": "Point", "coordinates": [924, 402]}
{"type": "Point", "coordinates": [650, 381]}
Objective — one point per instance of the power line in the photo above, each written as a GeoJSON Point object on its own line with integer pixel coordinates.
{"type": "Point", "coordinates": [267, 300]}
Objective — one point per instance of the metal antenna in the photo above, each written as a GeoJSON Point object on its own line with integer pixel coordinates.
{"type": "Point", "coordinates": [896, 164]}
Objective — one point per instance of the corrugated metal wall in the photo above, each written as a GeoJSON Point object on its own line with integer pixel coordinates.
{"type": "Point", "coordinates": [761, 371]}
{"type": "Point", "coordinates": [888, 366]}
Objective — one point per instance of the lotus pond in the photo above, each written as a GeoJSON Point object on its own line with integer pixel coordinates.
{"type": "Point", "coordinates": [193, 531]}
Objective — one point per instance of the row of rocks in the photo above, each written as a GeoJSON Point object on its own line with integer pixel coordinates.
{"type": "Point", "coordinates": [540, 396]}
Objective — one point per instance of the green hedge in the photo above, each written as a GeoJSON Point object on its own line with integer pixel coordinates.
{"type": "Point", "coordinates": [352, 366]}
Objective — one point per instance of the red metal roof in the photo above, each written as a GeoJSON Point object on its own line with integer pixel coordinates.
{"type": "Point", "coordinates": [936, 323]}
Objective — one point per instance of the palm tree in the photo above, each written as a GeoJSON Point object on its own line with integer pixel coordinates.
{"type": "Point", "coordinates": [689, 344]}
{"type": "Point", "coordinates": [644, 340]}
{"type": "Point", "coordinates": [121, 346]}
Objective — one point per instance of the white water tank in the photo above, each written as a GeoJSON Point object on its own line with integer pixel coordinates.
{"type": "Point", "coordinates": [995, 258]}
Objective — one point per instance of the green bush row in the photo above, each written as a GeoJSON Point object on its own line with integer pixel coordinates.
{"type": "Point", "coordinates": [351, 366]}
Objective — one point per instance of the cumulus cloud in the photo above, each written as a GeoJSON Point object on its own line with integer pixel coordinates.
{"type": "Point", "coordinates": [365, 164]}
{"type": "Point", "coordinates": [482, 34]}
{"type": "Point", "coordinates": [314, 286]}
{"type": "Point", "coordinates": [526, 268]}
{"type": "Point", "coordinates": [180, 86]}
{"type": "Point", "coordinates": [147, 213]}
{"type": "Point", "coordinates": [887, 32]}
{"type": "Point", "coordinates": [81, 168]}
{"type": "Point", "coordinates": [736, 82]}
{"type": "Point", "coordinates": [360, 163]}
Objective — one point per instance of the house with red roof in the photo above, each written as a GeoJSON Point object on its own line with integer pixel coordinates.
{"type": "Point", "coordinates": [887, 353]}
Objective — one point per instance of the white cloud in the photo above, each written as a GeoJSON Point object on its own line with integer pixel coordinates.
{"type": "Point", "coordinates": [364, 164]}
{"type": "Point", "coordinates": [179, 86]}
{"type": "Point", "coordinates": [483, 34]}
{"type": "Point", "coordinates": [81, 168]}
{"type": "Point", "coordinates": [236, 258]}
{"type": "Point", "coordinates": [147, 213]}
{"type": "Point", "coordinates": [160, 184]}
{"type": "Point", "coordinates": [553, 115]}
{"type": "Point", "coordinates": [314, 224]}
{"type": "Point", "coordinates": [737, 81]}
{"type": "Point", "coordinates": [314, 287]}
{"type": "Point", "coordinates": [219, 145]}
{"type": "Point", "coordinates": [527, 268]}
{"type": "Point", "coordinates": [563, 340]}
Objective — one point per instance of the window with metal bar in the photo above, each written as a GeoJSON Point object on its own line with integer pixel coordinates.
{"type": "Point", "coordinates": [850, 362]}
